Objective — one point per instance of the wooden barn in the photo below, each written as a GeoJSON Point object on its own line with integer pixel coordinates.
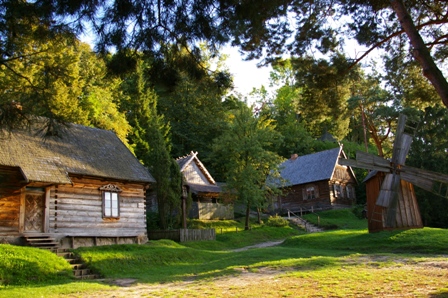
{"type": "Point", "coordinates": [81, 188]}
{"type": "Point", "coordinates": [406, 211]}
{"type": "Point", "coordinates": [204, 190]}
{"type": "Point", "coordinates": [316, 181]}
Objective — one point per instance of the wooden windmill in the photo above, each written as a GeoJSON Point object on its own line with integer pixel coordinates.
{"type": "Point", "coordinates": [391, 202]}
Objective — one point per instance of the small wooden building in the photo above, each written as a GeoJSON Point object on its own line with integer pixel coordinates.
{"type": "Point", "coordinates": [83, 187]}
{"type": "Point", "coordinates": [204, 190]}
{"type": "Point", "coordinates": [406, 212]}
{"type": "Point", "coordinates": [316, 181]}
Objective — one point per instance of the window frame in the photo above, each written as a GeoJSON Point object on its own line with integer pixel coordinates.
{"type": "Point", "coordinates": [110, 194]}
{"type": "Point", "coordinates": [310, 192]}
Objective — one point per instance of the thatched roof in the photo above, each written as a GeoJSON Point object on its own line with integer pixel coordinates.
{"type": "Point", "coordinates": [310, 168]}
{"type": "Point", "coordinates": [80, 150]}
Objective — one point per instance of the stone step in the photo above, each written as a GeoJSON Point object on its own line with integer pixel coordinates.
{"type": "Point", "coordinates": [79, 272]}
{"type": "Point", "coordinates": [88, 276]}
{"type": "Point", "coordinates": [65, 255]}
{"type": "Point", "coordinates": [78, 266]}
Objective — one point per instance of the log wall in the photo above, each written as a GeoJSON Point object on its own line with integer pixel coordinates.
{"type": "Point", "coordinates": [76, 210]}
{"type": "Point", "coordinates": [10, 201]}
{"type": "Point", "coordinates": [293, 200]}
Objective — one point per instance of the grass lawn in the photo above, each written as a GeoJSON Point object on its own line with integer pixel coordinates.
{"type": "Point", "coordinates": [347, 261]}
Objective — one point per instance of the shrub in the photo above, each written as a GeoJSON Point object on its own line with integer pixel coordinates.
{"type": "Point", "coordinates": [277, 221]}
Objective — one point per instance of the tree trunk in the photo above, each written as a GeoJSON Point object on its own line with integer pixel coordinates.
{"type": "Point", "coordinates": [247, 224]}
{"type": "Point", "coordinates": [421, 52]}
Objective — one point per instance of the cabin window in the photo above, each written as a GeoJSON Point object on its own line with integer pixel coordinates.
{"type": "Point", "coordinates": [310, 192]}
{"type": "Point", "coordinates": [350, 192]}
{"type": "Point", "coordinates": [338, 191]}
{"type": "Point", "coordinates": [111, 204]}
{"type": "Point", "coordinates": [111, 201]}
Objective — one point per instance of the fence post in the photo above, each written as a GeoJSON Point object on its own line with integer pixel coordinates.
{"type": "Point", "coordinates": [301, 214]}
{"type": "Point", "coordinates": [318, 221]}
{"type": "Point", "coordinates": [289, 216]}
{"type": "Point", "coordinates": [312, 209]}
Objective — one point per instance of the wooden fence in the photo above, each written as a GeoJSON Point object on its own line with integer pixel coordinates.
{"type": "Point", "coordinates": [183, 235]}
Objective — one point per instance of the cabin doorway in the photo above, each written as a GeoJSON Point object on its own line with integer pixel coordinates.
{"type": "Point", "coordinates": [34, 210]}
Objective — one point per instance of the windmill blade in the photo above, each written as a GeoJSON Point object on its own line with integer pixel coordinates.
{"type": "Point", "coordinates": [389, 190]}
{"type": "Point", "coordinates": [398, 140]}
{"type": "Point", "coordinates": [367, 161]}
{"type": "Point", "coordinates": [403, 149]}
{"type": "Point", "coordinates": [436, 183]}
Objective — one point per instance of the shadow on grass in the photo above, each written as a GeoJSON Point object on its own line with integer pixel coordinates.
{"type": "Point", "coordinates": [173, 262]}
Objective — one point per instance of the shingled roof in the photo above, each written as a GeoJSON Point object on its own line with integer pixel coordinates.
{"type": "Point", "coordinates": [310, 168]}
{"type": "Point", "coordinates": [80, 150]}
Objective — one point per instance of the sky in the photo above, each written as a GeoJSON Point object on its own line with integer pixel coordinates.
{"type": "Point", "coordinates": [246, 74]}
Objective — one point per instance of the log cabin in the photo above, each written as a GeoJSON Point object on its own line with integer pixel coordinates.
{"type": "Point", "coordinates": [81, 188]}
{"type": "Point", "coordinates": [204, 190]}
{"type": "Point", "coordinates": [315, 181]}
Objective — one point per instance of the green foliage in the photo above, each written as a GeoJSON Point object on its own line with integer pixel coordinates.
{"type": "Point", "coordinates": [150, 140]}
{"type": "Point", "coordinates": [246, 146]}
{"type": "Point", "coordinates": [429, 151]}
{"type": "Point", "coordinates": [27, 266]}
{"type": "Point", "coordinates": [324, 91]}
{"type": "Point", "coordinates": [193, 103]}
{"type": "Point", "coordinates": [277, 221]}
{"type": "Point", "coordinates": [64, 81]}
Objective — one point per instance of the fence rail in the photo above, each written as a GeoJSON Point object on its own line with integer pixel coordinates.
{"type": "Point", "coordinates": [183, 235]}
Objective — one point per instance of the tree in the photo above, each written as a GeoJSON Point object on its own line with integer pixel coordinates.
{"type": "Point", "coordinates": [246, 146]}
{"type": "Point", "coordinates": [65, 82]}
{"type": "Point", "coordinates": [323, 93]}
{"type": "Point", "coordinates": [264, 28]}
{"type": "Point", "coordinates": [150, 141]}
{"type": "Point", "coordinates": [429, 151]}
{"type": "Point", "coordinates": [193, 105]}
{"type": "Point", "coordinates": [283, 108]}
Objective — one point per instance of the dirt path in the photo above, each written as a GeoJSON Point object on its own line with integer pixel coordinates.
{"type": "Point", "coordinates": [276, 280]}
{"type": "Point", "coordinates": [260, 245]}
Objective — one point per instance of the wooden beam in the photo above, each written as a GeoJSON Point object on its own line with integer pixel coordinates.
{"type": "Point", "coordinates": [22, 210]}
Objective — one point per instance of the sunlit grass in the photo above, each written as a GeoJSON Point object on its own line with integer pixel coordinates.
{"type": "Point", "coordinates": [336, 263]}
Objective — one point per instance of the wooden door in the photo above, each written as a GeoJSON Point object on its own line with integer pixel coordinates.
{"type": "Point", "coordinates": [34, 212]}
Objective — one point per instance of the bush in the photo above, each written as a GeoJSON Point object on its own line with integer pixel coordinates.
{"type": "Point", "coordinates": [359, 211]}
{"type": "Point", "coordinates": [277, 221]}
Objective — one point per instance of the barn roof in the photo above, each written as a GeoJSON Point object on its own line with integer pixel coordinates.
{"type": "Point", "coordinates": [80, 150]}
{"type": "Point", "coordinates": [310, 168]}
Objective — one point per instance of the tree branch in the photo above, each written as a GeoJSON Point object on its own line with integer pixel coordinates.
{"type": "Point", "coordinates": [421, 52]}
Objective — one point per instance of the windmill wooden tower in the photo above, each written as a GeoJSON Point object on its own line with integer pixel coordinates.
{"type": "Point", "coordinates": [391, 201]}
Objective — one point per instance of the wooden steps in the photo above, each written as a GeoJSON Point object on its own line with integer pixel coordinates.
{"type": "Point", "coordinates": [45, 241]}
{"type": "Point", "coordinates": [80, 269]}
